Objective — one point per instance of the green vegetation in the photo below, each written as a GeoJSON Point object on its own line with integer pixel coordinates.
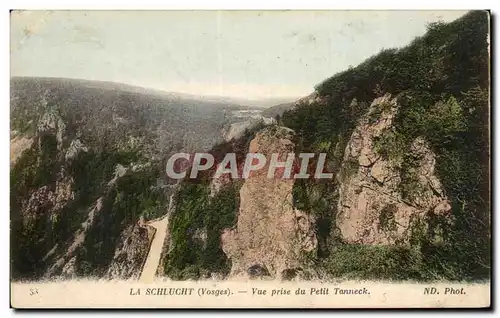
{"type": "Point", "coordinates": [36, 234]}
{"type": "Point", "coordinates": [386, 218]}
{"type": "Point", "coordinates": [352, 261]}
{"type": "Point", "coordinates": [198, 219]}
{"type": "Point", "coordinates": [378, 112]}
{"type": "Point", "coordinates": [390, 145]}
{"type": "Point", "coordinates": [441, 81]}
{"type": "Point", "coordinates": [35, 168]}
{"type": "Point", "coordinates": [133, 195]}
{"type": "Point", "coordinates": [196, 228]}
{"type": "Point", "coordinates": [351, 167]}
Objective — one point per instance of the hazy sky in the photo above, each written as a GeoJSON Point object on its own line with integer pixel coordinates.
{"type": "Point", "coordinates": [245, 54]}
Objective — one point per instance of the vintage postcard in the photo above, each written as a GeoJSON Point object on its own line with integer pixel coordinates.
{"type": "Point", "coordinates": [250, 159]}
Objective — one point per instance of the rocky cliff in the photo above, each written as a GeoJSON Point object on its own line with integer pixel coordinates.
{"type": "Point", "coordinates": [271, 237]}
{"type": "Point", "coordinates": [86, 168]}
{"type": "Point", "coordinates": [409, 199]}
{"type": "Point", "coordinates": [372, 208]}
{"type": "Point", "coordinates": [405, 133]}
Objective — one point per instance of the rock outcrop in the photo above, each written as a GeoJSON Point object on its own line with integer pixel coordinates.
{"type": "Point", "coordinates": [270, 236]}
{"type": "Point", "coordinates": [74, 149]}
{"type": "Point", "coordinates": [131, 252]}
{"type": "Point", "coordinates": [67, 261]}
{"type": "Point", "coordinates": [371, 207]}
{"type": "Point", "coordinates": [18, 144]}
{"type": "Point", "coordinates": [52, 122]}
{"type": "Point", "coordinates": [238, 129]}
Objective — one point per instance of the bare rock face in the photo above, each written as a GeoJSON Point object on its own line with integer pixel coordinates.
{"type": "Point", "coordinates": [63, 192]}
{"type": "Point", "coordinates": [129, 256]}
{"type": "Point", "coordinates": [18, 144]}
{"type": "Point", "coordinates": [69, 270]}
{"type": "Point", "coordinates": [67, 261]}
{"type": "Point", "coordinates": [270, 236]}
{"type": "Point", "coordinates": [51, 122]}
{"type": "Point", "coordinates": [372, 208]}
{"type": "Point", "coordinates": [120, 171]}
{"type": "Point", "coordinates": [74, 149]}
{"type": "Point", "coordinates": [47, 201]}
{"type": "Point", "coordinates": [311, 99]}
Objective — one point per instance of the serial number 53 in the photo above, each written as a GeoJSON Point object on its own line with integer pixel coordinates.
{"type": "Point", "coordinates": [33, 291]}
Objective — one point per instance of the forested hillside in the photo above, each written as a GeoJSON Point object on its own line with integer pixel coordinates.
{"type": "Point", "coordinates": [424, 110]}
{"type": "Point", "coordinates": [87, 165]}
{"type": "Point", "coordinates": [406, 135]}
{"type": "Point", "coordinates": [442, 83]}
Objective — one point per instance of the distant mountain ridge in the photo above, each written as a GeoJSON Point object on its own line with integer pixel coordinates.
{"type": "Point", "coordinates": [223, 100]}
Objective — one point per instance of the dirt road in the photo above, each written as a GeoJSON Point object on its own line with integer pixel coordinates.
{"type": "Point", "coordinates": [153, 259]}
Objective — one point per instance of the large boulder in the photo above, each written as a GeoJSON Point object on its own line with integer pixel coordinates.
{"type": "Point", "coordinates": [372, 208]}
{"type": "Point", "coordinates": [270, 234]}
